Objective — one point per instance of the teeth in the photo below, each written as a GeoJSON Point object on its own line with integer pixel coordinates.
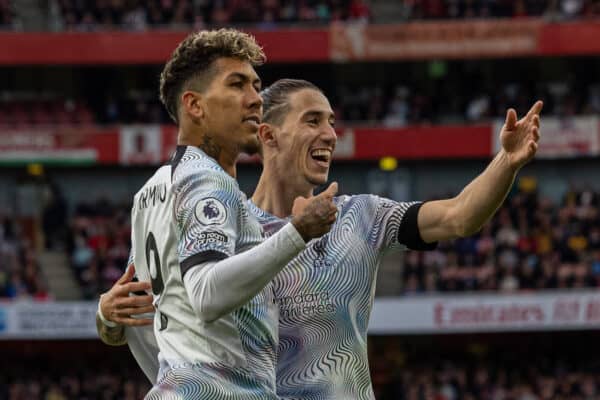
{"type": "Point", "coordinates": [321, 153]}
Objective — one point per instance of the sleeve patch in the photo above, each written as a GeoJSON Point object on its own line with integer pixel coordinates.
{"type": "Point", "coordinates": [210, 211]}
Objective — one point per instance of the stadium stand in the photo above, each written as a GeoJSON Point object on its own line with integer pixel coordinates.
{"type": "Point", "coordinates": [69, 115]}
{"type": "Point", "coordinates": [531, 244]}
{"type": "Point", "coordinates": [20, 273]}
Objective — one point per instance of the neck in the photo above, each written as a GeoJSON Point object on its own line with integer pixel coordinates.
{"type": "Point", "coordinates": [275, 195]}
{"type": "Point", "coordinates": [226, 158]}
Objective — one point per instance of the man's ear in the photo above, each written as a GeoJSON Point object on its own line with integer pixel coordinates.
{"type": "Point", "coordinates": [192, 105]}
{"type": "Point", "coordinates": [266, 135]}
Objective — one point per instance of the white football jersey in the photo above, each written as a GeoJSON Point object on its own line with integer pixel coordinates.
{"type": "Point", "coordinates": [325, 296]}
{"type": "Point", "coordinates": [188, 213]}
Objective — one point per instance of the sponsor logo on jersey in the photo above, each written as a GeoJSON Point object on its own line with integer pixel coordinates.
{"type": "Point", "coordinates": [212, 237]}
{"type": "Point", "coordinates": [305, 304]}
{"type": "Point", "coordinates": [210, 211]}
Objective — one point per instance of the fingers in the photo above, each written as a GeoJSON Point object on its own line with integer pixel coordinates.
{"type": "Point", "coordinates": [536, 121]}
{"type": "Point", "coordinates": [536, 134]}
{"type": "Point", "coordinates": [130, 311]}
{"type": "Point", "coordinates": [332, 218]}
{"type": "Point", "coordinates": [331, 191]}
{"type": "Point", "coordinates": [133, 321]}
{"type": "Point", "coordinates": [299, 205]}
{"type": "Point", "coordinates": [533, 146]}
{"type": "Point", "coordinates": [535, 109]}
{"type": "Point", "coordinates": [127, 275]}
{"type": "Point", "coordinates": [132, 301]}
{"type": "Point", "coordinates": [131, 287]}
{"type": "Point", "coordinates": [137, 301]}
{"type": "Point", "coordinates": [511, 119]}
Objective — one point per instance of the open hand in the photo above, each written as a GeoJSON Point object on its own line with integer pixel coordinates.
{"type": "Point", "coordinates": [519, 139]}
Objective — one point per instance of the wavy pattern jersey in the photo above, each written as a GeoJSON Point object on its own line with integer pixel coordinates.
{"type": "Point", "coordinates": [325, 296]}
{"type": "Point", "coordinates": [186, 214]}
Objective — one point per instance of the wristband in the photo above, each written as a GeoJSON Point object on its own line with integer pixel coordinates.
{"type": "Point", "coordinates": [110, 324]}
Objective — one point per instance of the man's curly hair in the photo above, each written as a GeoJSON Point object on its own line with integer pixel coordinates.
{"type": "Point", "coordinates": [192, 62]}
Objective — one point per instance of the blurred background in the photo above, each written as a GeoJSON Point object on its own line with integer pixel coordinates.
{"type": "Point", "coordinates": [420, 89]}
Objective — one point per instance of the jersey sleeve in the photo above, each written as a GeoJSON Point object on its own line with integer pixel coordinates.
{"type": "Point", "coordinates": [207, 210]}
{"type": "Point", "coordinates": [395, 225]}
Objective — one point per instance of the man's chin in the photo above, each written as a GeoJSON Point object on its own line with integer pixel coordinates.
{"type": "Point", "coordinates": [317, 180]}
{"type": "Point", "coordinates": [251, 146]}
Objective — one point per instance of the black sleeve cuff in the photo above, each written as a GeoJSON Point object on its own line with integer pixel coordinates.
{"type": "Point", "coordinates": [408, 231]}
{"type": "Point", "coordinates": [199, 258]}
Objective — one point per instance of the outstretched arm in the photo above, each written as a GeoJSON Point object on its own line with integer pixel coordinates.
{"type": "Point", "coordinates": [466, 213]}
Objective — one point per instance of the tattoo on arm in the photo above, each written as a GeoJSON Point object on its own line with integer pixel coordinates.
{"type": "Point", "coordinates": [211, 148]}
{"type": "Point", "coordinates": [111, 336]}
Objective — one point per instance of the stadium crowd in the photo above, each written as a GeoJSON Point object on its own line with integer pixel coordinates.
{"type": "Point", "coordinates": [93, 15]}
{"type": "Point", "coordinates": [99, 244]}
{"type": "Point", "coordinates": [530, 244]}
{"type": "Point", "coordinates": [486, 380]}
{"type": "Point", "coordinates": [20, 273]}
{"type": "Point", "coordinates": [27, 109]}
{"type": "Point", "coordinates": [442, 100]}
{"type": "Point", "coordinates": [141, 15]}
{"type": "Point", "coordinates": [6, 15]}
{"type": "Point", "coordinates": [394, 378]}
{"type": "Point", "coordinates": [438, 101]}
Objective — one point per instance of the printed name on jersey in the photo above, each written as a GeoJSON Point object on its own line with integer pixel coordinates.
{"type": "Point", "coordinates": [151, 195]}
{"type": "Point", "coordinates": [212, 237]}
{"type": "Point", "coordinates": [210, 211]}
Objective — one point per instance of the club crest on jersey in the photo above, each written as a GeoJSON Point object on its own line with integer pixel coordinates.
{"type": "Point", "coordinates": [210, 211]}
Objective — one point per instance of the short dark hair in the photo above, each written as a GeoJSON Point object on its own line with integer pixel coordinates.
{"type": "Point", "coordinates": [276, 98]}
{"type": "Point", "coordinates": [194, 58]}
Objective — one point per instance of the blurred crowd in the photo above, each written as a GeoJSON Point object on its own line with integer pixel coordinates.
{"type": "Point", "coordinates": [27, 109]}
{"type": "Point", "coordinates": [443, 100]}
{"type": "Point", "coordinates": [438, 101]}
{"type": "Point", "coordinates": [521, 379]}
{"type": "Point", "coordinates": [41, 379]}
{"type": "Point", "coordinates": [93, 15]}
{"type": "Point", "coordinates": [465, 9]}
{"type": "Point", "coordinates": [20, 273]}
{"type": "Point", "coordinates": [6, 15]}
{"type": "Point", "coordinates": [394, 377]}
{"type": "Point", "coordinates": [530, 244]}
{"type": "Point", "coordinates": [183, 14]}
{"type": "Point", "coordinates": [99, 245]}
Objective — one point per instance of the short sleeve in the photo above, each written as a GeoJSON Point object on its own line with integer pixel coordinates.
{"type": "Point", "coordinates": [396, 227]}
{"type": "Point", "coordinates": [207, 206]}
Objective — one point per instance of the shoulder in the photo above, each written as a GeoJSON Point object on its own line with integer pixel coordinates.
{"type": "Point", "coordinates": [357, 201]}
{"type": "Point", "coordinates": [161, 176]}
{"type": "Point", "coordinates": [201, 171]}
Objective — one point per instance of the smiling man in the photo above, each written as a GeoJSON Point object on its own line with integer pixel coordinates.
{"type": "Point", "coordinates": [195, 241]}
{"type": "Point", "coordinates": [325, 294]}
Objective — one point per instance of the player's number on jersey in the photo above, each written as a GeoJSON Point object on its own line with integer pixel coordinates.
{"type": "Point", "coordinates": [154, 264]}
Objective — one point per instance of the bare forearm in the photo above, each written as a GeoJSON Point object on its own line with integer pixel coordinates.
{"type": "Point", "coordinates": [480, 199]}
{"type": "Point", "coordinates": [111, 336]}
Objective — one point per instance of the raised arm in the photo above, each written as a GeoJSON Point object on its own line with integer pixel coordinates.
{"type": "Point", "coordinates": [466, 213]}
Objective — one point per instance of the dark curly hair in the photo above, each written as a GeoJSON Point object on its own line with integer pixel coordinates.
{"type": "Point", "coordinates": [193, 59]}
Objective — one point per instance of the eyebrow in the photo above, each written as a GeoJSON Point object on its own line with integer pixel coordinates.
{"type": "Point", "coordinates": [317, 113]}
{"type": "Point", "coordinates": [244, 77]}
